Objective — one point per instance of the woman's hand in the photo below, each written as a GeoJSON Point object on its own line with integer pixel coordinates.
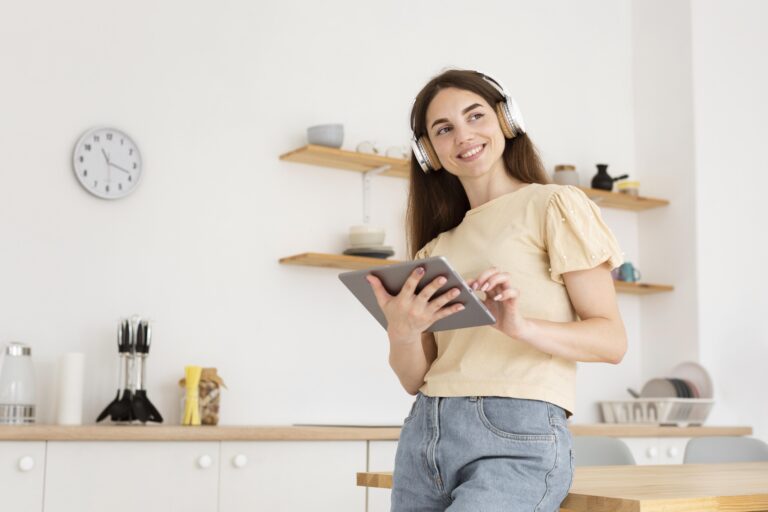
{"type": "Point", "coordinates": [409, 314]}
{"type": "Point", "coordinates": [501, 300]}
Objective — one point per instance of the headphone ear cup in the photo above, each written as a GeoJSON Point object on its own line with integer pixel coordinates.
{"type": "Point", "coordinates": [505, 120]}
{"type": "Point", "coordinates": [428, 152]}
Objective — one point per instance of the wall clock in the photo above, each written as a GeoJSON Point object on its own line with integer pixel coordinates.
{"type": "Point", "coordinates": [107, 163]}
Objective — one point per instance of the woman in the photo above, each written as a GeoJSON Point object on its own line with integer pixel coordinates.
{"type": "Point", "coordinates": [487, 431]}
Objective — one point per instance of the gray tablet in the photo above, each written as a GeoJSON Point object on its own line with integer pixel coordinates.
{"type": "Point", "coordinates": [393, 278]}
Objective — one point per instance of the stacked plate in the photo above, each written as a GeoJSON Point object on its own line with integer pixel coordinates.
{"type": "Point", "coordinates": [367, 240]}
{"type": "Point", "coordinates": [687, 380]}
{"type": "Point", "coordinates": [371, 251]}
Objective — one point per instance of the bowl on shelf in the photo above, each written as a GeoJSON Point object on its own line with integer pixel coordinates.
{"type": "Point", "coordinates": [331, 135]}
{"type": "Point", "coordinates": [365, 235]}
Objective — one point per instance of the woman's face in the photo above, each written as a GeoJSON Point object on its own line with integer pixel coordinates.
{"type": "Point", "coordinates": [465, 132]}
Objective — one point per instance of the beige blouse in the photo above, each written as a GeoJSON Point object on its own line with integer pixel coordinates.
{"type": "Point", "coordinates": [536, 233]}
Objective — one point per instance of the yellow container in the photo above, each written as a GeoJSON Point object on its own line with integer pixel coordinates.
{"type": "Point", "coordinates": [629, 187]}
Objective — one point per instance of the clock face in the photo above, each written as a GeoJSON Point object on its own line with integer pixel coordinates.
{"type": "Point", "coordinates": [107, 163]}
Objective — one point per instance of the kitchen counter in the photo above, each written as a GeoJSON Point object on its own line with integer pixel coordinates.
{"type": "Point", "coordinates": [305, 433]}
{"type": "Point", "coordinates": [673, 488]}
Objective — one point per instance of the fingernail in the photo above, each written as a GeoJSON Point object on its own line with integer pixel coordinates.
{"type": "Point", "coordinates": [485, 287]}
{"type": "Point", "coordinates": [420, 270]}
{"type": "Point", "coordinates": [459, 307]}
{"type": "Point", "coordinates": [497, 297]}
{"type": "Point", "coordinates": [441, 280]}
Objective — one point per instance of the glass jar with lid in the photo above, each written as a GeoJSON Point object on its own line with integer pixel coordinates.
{"type": "Point", "coordinates": [17, 385]}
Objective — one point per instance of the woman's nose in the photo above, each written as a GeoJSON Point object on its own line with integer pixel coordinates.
{"type": "Point", "coordinates": [461, 134]}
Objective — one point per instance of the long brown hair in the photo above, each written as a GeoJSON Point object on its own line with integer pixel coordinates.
{"type": "Point", "coordinates": [436, 200]}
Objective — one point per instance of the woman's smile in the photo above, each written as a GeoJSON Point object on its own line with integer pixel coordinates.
{"type": "Point", "coordinates": [472, 153]}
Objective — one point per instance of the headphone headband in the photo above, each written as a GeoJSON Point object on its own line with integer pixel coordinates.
{"type": "Point", "coordinates": [510, 120]}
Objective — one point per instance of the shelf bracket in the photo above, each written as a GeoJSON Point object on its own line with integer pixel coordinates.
{"type": "Point", "coordinates": [367, 175]}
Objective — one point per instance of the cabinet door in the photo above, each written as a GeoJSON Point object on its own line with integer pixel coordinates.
{"type": "Point", "coordinates": [672, 449]}
{"type": "Point", "coordinates": [645, 450]}
{"type": "Point", "coordinates": [287, 476]}
{"type": "Point", "coordinates": [381, 457]}
{"type": "Point", "coordinates": [657, 450]}
{"type": "Point", "coordinates": [131, 476]}
{"type": "Point", "coordinates": [22, 467]}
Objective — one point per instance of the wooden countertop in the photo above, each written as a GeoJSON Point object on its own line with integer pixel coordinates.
{"type": "Point", "coordinates": [202, 433]}
{"type": "Point", "coordinates": [153, 432]}
{"type": "Point", "coordinates": [667, 488]}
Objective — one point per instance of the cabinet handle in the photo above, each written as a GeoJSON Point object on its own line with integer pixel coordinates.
{"type": "Point", "coordinates": [673, 451]}
{"type": "Point", "coordinates": [204, 461]}
{"type": "Point", "coordinates": [240, 460]}
{"type": "Point", "coordinates": [652, 452]}
{"type": "Point", "coordinates": [26, 463]}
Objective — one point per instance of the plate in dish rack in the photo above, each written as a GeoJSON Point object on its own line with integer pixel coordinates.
{"type": "Point", "coordinates": [697, 374]}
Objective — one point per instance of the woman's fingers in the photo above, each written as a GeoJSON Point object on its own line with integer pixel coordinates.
{"type": "Point", "coordinates": [501, 279]}
{"type": "Point", "coordinates": [428, 291]}
{"type": "Point", "coordinates": [509, 293]}
{"type": "Point", "coordinates": [409, 288]}
{"type": "Point", "coordinates": [447, 311]}
{"type": "Point", "coordinates": [382, 296]}
{"type": "Point", "coordinates": [440, 301]}
{"type": "Point", "coordinates": [479, 283]}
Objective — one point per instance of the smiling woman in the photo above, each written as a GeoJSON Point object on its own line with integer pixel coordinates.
{"type": "Point", "coordinates": [488, 428]}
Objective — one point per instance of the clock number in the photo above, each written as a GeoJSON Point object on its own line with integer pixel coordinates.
{"type": "Point", "coordinates": [134, 165]}
{"type": "Point", "coordinates": [87, 147]}
{"type": "Point", "coordinates": [130, 152]}
{"type": "Point", "coordinates": [107, 188]}
{"type": "Point", "coordinates": [85, 173]}
{"type": "Point", "coordinates": [130, 178]}
{"type": "Point", "coordinates": [120, 186]}
{"type": "Point", "coordinates": [81, 159]}
{"type": "Point", "coordinates": [109, 136]}
{"type": "Point", "coordinates": [122, 141]}
{"type": "Point", "coordinates": [96, 138]}
{"type": "Point", "coordinates": [95, 184]}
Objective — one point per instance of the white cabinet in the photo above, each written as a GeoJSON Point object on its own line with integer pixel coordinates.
{"type": "Point", "coordinates": [657, 450]}
{"type": "Point", "coordinates": [282, 476]}
{"type": "Point", "coordinates": [131, 476]}
{"type": "Point", "coordinates": [381, 457]}
{"type": "Point", "coordinates": [22, 468]}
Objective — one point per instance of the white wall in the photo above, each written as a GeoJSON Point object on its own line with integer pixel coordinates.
{"type": "Point", "coordinates": [664, 152]}
{"type": "Point", "coordinates": [730, 80]}
{"type": "Point", "coordinates": [213, 93]}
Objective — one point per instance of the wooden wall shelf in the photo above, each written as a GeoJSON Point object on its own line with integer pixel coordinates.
{"type": "Point", "coordinates": [400, 168]}
{"type": "Point", "coordinates": [347, 160]}
{"type": "Point", "coordinates": [606, 199]}
{"type": "Point", "coordinates": [342, 261]}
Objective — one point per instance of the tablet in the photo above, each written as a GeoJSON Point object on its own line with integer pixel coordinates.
{"type": "Point", "coordinates": [393, 278]}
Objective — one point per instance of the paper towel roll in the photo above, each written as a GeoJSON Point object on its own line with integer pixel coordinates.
{"type": "Point", "coordinates": [70, 389]}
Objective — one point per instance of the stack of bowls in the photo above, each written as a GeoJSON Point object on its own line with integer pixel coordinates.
{"type": "Point", "coordinates": [367, 240]}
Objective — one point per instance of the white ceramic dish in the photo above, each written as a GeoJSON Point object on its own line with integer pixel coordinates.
{"type": "Point", "coordinates": [696, 374]}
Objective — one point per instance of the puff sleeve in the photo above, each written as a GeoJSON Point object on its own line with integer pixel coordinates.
{"type": "Point", "coordinates": [426, 251]}
{"type": "Point", "coordinates": [575, 234]}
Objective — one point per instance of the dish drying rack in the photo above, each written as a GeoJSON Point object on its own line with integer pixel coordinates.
{"type": "Point", "coordinates": [657, 411]}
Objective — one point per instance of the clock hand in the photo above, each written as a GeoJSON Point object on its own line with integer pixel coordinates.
{"type": "Point", "coordinates": [115, 165]}
{"type": "Point", "coordinates": [109, 171]}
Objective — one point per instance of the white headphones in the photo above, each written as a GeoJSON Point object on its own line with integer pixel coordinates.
{"type": "Point", "coordinates": [510, 120]}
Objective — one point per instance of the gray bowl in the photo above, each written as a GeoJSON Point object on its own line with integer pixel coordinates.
{"type": "Point", "coordinates": [331, 135]}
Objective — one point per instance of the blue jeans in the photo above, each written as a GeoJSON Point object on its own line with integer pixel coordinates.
{"type": "Point", "coordinates": [482, 454]}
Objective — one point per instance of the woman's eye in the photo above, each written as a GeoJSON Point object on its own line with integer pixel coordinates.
{"type": "Point", "coordinates": [476, 116]}
{"type": "Point", "coordinates": [442, 130]}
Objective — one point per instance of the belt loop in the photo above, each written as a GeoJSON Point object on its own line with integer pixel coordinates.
{"type": "Point", "coordinates": [473, 398]}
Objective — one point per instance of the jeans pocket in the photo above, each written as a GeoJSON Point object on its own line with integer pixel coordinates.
{"type": "Point", "coordinates": [412, 413]}
{"type": "Point", "coordinates": [511, 419]}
